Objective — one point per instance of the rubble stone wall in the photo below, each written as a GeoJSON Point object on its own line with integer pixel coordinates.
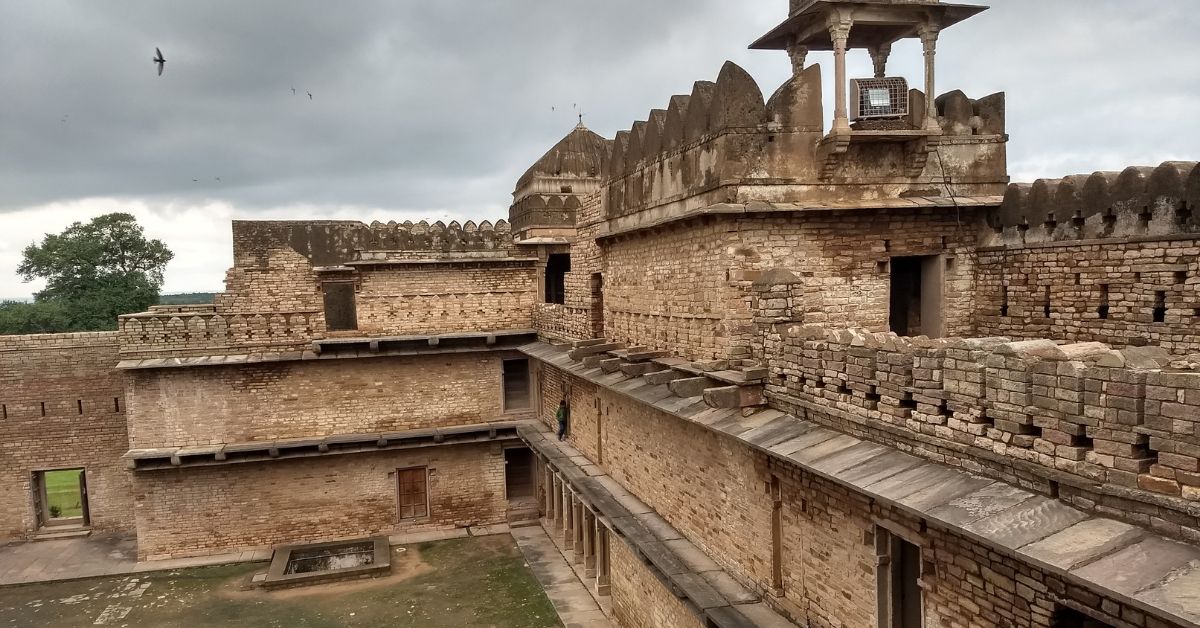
{"type": "Point", "coordinates": [63, 407]}
{"type": "Point", "coordinates": [233, 404]}
{"type": "Point", "coordinates": [691, 289]}
{"type": "Point", "coordinates": [209, 510]}
{"type": "Point", "coordinates": [1116, 432]}
{"type": "Point", "coordinates": [716, 491]}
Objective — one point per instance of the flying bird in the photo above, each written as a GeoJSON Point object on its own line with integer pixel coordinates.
{"type": "Point", "coordinates": [293, 91]}
{"type": "Point", "coordinates": [195, 180]}
{"type": "Point", "coordinates": [309, 95]}
{"type": "Point", "coordinates": [158, 59]}
{"type": "Point", "coordinates": [218, 179]}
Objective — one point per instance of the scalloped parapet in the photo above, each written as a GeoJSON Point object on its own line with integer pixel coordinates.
{"type": "Point", "coordinates": [331, 243]}
{"type": "Point", "coordinates": [1138, 201]}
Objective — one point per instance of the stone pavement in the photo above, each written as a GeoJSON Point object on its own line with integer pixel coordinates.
{"type": "Point", "coordinates": [571, 598]}
{"type": "Point", "coordinates": [90, 557]}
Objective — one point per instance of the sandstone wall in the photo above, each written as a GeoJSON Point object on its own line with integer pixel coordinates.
{"type": "Point", "coordinates": [1114, 432]}
{"type": "Point", "coordinates": [639, 600]}
{"type": "Point", "coordinates": [231, 404]}
{"type": "Point", "coordinates": [198, 511]}
{"type": "Point", "coordinates": [715, 490]}
{"type": "Point", "coordinates": [691, 289]}
{"type": "Point", "coordinates": [63, 407]}
{"type": "Point", "coordinates": [431, 299]}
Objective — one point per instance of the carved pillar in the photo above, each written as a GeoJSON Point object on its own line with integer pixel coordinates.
{"type": "Point", "coordinates": [839, 31]}
{"type": "Point", "coordinates": [879, 58]}
{"type": "Point", "coordinates": [797, 54]}
{"type": "Point", "coordinates": [929, 37]}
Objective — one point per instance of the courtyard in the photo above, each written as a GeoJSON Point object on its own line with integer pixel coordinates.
{"type": "Point", "coordinates": [474, 581]}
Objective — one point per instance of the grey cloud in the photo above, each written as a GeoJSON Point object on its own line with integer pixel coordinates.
{"type": "Point", "coordinates": [441, 105]}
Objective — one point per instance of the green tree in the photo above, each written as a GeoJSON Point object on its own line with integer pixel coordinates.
{"type": "Point", "coordinates": [94, 272]}
{"type": "Point", "coordinates": [33, 318]}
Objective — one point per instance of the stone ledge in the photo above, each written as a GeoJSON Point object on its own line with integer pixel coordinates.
{"type": "Point", "coordinates": [1007, 519]}
{"type": "Point", "coordinates": [679, 565]}
{"type": "Point", "coordinates": [143, 460]}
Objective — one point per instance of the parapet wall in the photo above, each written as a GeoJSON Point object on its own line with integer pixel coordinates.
{"type": "Point", "coordinates": [1109, 257]}
{"type": "Point", "coordinates": [62, 406]}
{"type": "Point", "coordinates": [1105, 427]}
{"type": "Point", "coordinates": [330, 243]}
{"type": "Point", "coordinates": [724, 144]}
{"type": "Point", "coordinates": [1139, 201]}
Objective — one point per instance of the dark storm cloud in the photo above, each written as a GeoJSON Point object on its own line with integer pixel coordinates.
{"type": "Point", "coordinates": [432, 105]}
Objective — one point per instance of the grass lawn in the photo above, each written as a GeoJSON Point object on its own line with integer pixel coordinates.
{"type": "Point", "coordinates": [480, 581]}
{"type": "Point", "coordinates": [62, 490]}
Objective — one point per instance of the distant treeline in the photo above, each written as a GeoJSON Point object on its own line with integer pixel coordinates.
{"type": "Point", "coordinates": [186, 298]}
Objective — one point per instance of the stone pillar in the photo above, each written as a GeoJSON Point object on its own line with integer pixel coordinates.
{"type": "Point", "coordinates": [568, 528]}
{"type": "Point", "coordinates": [929, 37]}
{"type": "Point", "coordinates": [839, 31]}
{"type": "Point", "coordinates": [555, 491]}
{"type": "Point", "coordinates": [879, 58]}
{"type": "Point", "coordinates": [589, 544]}
{"type": "Point", "coordinates": [602, 566]}
{"type": "Point", "coordinates": [577, 530]}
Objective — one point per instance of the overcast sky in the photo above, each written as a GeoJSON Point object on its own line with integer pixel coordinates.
{"type": "Point", "coordinates": [433, 109]}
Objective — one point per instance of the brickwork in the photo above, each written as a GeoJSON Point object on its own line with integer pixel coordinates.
{"type": "Point", "coordinates": [220, 509]}
{"type": "Point", "coordinates": [639, 600]}
{"type": "Point", "coordinates": [719, 499]}
{"type": "Point", "coordinates": [585, 421]}
{"type": "Point", "coordinates": [1105, 291]}
{"type": "Point", "coordinates": [691, 289]}
{"type": "Point", "coordinates": [1033, 413]}
{"type": "Point", "coordinates": [434, 299]}
{"type": "Point", "coordinates": [179, 407]}
{"type": "Point", "coordinates": [63, 407]}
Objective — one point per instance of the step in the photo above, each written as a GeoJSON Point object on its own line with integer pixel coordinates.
{"type": "Point", "coordinates": [51, 534]}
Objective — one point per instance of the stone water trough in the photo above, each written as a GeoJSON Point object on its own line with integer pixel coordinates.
{"type": "Point", "coordinates": [316, 563]}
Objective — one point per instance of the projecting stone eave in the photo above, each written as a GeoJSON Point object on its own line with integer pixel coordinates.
{"type": "Point", "coordinates": [1126, 562]}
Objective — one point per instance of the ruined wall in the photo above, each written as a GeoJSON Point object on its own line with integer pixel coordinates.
{"type": "Point", "coordinates": [431, 299]}
{"type": "Point", "coordinates": [199, 511]}
{"type": "Point", "coordinates": [1113, 432]}
{"type": "Point", "coordinates": [639, 600]}
{"type": "Point", "coordinates": [1105, 257]}
{"type": "Point", "coordinates": [691, 288]}
{"type": "Point", "coordinates": [210, 405]}
{"type": "Point", "coordinates": [715, 491]}
{"type": "Point", "coordinates": [62, 406]}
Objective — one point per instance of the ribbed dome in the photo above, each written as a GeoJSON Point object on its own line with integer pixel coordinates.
{"type": "Point", "coordinates": [582, 153]}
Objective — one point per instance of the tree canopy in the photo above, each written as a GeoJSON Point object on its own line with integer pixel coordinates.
{"type": "Point", "coordinates": [94, 272]}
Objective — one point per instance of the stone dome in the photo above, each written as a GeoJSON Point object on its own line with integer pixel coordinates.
{"type": "Point", "coordinates": [582, 154]}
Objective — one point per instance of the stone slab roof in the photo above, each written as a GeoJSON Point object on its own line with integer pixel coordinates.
{"type": "Point", "coordinates": [1131, 564]}
{"type": "Point", "coordinates": [683, 567]}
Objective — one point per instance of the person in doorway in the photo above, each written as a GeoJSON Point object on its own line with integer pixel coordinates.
{"type": "Point", "coordinates": [564, 416]}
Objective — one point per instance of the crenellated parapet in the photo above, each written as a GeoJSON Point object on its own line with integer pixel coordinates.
{"type": "Point", "coordinates": [1124, 418]}
{"type": "Point", "coordinates": [1138, 201]}
{"type": "Point", "coordinates": [724, 145]}
{"type": "Point", "coordinates": [201, 330]}
{"type": "Point", "coordinates": [331, 243]}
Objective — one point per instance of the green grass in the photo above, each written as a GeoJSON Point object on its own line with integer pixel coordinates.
{"type": "Point", "coordinates": [62, 490]}
{"type": "Point", "coordinates": [476, 582]}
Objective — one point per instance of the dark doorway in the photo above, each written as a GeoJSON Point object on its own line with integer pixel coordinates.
{"type": "Point", "coordinates": [906, 584]}
{"type": "Point", "coordinates": [518, 473]}
{"type": "Point", "coordinates": [597, 314]}
{"type": "Point", "coordinates": [516, 384]}
{"type": "Point", "coordinates": [60, 498]}
{"type": "Point", "coordinates": [1070, 618]}
{"type": "Point", "coordinates": [340, 312]}
{"type": "Point", "coordinates": [916, 299]}
{"type": "Point", "coordinates": [557, 267]}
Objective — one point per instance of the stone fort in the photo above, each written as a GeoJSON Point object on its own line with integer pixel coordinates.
{"type": "Point", "coordinates": [819, 374]}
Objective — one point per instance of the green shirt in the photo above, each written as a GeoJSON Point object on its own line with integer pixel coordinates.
{"type": "Point", "coordinates": [561, 415]}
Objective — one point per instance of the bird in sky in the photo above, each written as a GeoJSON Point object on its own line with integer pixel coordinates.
{"type": "Point", "coordinates": [309, 95]}
{"type": "Point", "coordinates": [195, 180]}
{"type": "Point", "coordinates": [293, 91]}
{"type": "Point", "coordinates": [158, 59]}
{"type": "Point", "coordinates": [218, 179]}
